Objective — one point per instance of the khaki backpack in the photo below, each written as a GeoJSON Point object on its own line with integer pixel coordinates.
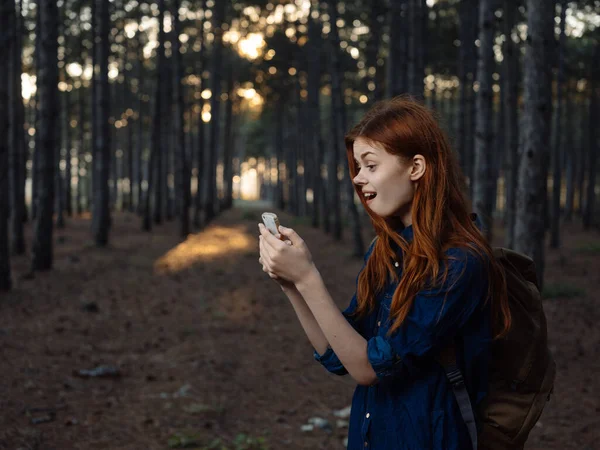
{"type": "Point", "coordinates": [522, 368]}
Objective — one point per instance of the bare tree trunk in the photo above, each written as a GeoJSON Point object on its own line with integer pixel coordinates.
{"type": "Point", "coordinates": [594, 118]}
{"type": "Point", "coordinates": [140, 117]}
{"type": "Point", "coordinates": [158, 147]}
{"type": "Point", "coordinates": [102, 153]}
{"type": "Point", "coordinates": [557, 166]}
{"type": "Point", "coordinates": [372, 51]}
{"type": "Point", "coordinates": [183, 188]}
{"type": "Point", "coordinates": [338, 129]}
{"type": "Point", "coordinates": [531, 197]}
{"type": "Point", "coordinates": [511, 121]}
{"type": "Point", "coordinates": [228, 140]}
{"type": "Point", "coordinates": [215, 108]}
{"type": "Point", "coordinates": [569, 143]}
{"type": "Point", "coordinates": [396, 70]}
{"type": "Point", "coordinates": [48, 114]}
{"type": "Point", "coordinates": [17, 155]}
{"type": "Point", "coordinates": [483, 182]}
{"type": "Point", "coordinates": [314, 122]}
{"type": "Point", "coordinates": [279, 153]}
{"type": "Point", "coordinates": [200, 149]}
{"type": "Point", "coordinates": [7, 39]}
{"type": "Point", "coordinates": [156, 134]}
{"type": "Point", "coordinates": [467, 66]}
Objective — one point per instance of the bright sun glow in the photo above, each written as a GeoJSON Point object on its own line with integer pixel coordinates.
{"type": "Point", "coordinates": [252, 45]}
{"type": "Point", "coordinates": [210, 244]}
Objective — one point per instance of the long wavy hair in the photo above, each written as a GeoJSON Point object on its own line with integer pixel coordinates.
{"type": "Point", "coordinates": [441, 216]}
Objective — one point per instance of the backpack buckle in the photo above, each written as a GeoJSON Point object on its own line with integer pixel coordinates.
{"type": "Point", "coordinates": [456, 379]}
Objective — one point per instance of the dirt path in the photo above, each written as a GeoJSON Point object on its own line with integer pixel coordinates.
{"type": "Point", "coordinates": [207, 347]}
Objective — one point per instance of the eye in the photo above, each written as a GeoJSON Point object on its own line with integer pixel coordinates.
{"type": "Point", "coordinates": [371, 167]}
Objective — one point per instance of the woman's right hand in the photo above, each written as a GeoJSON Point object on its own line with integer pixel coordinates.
{"type": "Point", "coordinates": [286, 286]}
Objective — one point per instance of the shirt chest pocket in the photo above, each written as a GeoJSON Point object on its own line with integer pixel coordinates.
{"type": "Point", "coordinates": [383, 324]}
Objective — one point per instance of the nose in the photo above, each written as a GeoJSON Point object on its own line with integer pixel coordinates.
{"type": "Point", "coordinates": [358, 179]}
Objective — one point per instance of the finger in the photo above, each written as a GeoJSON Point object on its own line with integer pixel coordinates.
{"type": "Point", "coordinates": [269, 239]}
{"type": "Point", "coordinates": [291, 235]}
{"type": "Point", "coordinates": [264, 251]}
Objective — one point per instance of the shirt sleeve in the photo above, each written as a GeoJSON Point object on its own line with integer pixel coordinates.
{"type": "Point", "coordinates": [329, 359]}
{"type": "Point", "coordinates": [436, 316]}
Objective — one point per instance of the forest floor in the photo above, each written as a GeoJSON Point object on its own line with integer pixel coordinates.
{"type": "Point", "coordinates": [198, 344]}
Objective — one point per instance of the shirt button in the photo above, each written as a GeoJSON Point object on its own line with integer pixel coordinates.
{"type": "Point", "coordinates": [366, 443]}
{"type": "Point", "coordinates": [368, 415]}
{"type": "Point", "coordinates": [396, 263]}
{"type": "Point", "coordinates": [379, 323]}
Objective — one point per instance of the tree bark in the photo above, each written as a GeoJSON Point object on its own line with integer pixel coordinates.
{"type": "Point", "coordinates": [338, 130]}
{"type": "Point", "coordinates": [158, 147]}
{"type": "Point", "coordinates": [6, 37]}
{"type": "Point", "coordinates": [42, 249]}
{"type": "Point", "coordinates": [483, 181]}
{"type": "Point", "coordinates": [556, 150]}
{"type": "Point", "coordinates": [531, 196]}
{"type": "Point", "coordinates": [17, 155]}
{"type": "Point", "coordinates": [200, 149]}
{"type": "Point", "coordinates": [511, 120]}
{"type": "Point", "coordinates": [102, 153]}
{"type": "Point", "coordinates": [215, 108]}
{"type": "Point", "coordinates": [594, 118]}
{"type": "Point", "coordinates": [183, 188]}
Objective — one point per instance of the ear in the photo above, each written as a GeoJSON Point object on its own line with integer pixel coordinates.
{"type": "Point", "coordinates": [418, 167]}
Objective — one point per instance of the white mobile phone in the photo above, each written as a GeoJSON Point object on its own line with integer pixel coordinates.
{"type": "Point", "coordinates": [271, 221]}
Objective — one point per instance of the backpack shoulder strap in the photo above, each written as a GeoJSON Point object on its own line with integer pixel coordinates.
{"type": "Point", "coordinates": [447, 358]}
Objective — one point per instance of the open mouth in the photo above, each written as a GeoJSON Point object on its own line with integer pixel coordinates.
{"type": "Point", "coordinates": [369, 196]}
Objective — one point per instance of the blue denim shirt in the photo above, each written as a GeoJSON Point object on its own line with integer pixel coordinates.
{"type": "Point", "coordinates": [412, 406]}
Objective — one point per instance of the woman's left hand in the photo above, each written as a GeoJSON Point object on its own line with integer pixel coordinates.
{"type": "Point", "coordinates": [289, 262]}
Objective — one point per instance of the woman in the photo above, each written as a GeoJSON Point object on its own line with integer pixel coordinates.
{"type": "Point", "coordinates": [429, 284]}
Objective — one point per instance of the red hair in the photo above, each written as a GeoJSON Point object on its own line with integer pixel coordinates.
{"type": "Point", "coordinates": [441, 216]}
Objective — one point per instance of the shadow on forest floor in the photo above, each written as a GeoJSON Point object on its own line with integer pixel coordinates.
{"type": "Point", "coordinates": [195, 343]}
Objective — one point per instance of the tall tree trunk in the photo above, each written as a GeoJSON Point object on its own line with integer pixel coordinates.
{"type": "Point", "coordinates": [467, 58]}
{"type": "Point", "coordinates": [17, 156]}
{"type": "Point", "coordinates": [183, 188]}
{"type": "Point", "coordinates": [531, 197]}
{"type": "Point", "coordinates": [483, 181]}
{"type": "Point", "coordinates": [158, 151]}
{"type": "Point", "coordinates": [314, 122]}
{"type": "Point", "coordinates": [63, 130]}
{"type": "Point", "coordinates": [48, 115]}
{"type": "Point", "coordinates": [36, 114]}
{"type": "Point", "coordinates": [156, 140]}
{"type": "Point", "coordinates": [215, 108]}
{"type": "Point", "coordinates": [102, 153]}
{"type": "Point", "coordinates": [395, 82]}
{"type": "Point", "coordinates": [570, 156]}
{"type": "Point", "coordinates": [557, 166]}
{"type": "Point", "coordinates": [279, 154]}
{"type": "Point", "coordinates": [511, 121]}
{"type": "Point", "coordinates": [372, 51]}
{"type": "Point", "coordinates": [168, 162]}
{"type": "Point", "coordinates": [7, 39]}
{"type": "Point", "coordinates": [594, 118]}
{"type": "Point", "coordinates": [338, 129]}
{"type": "Point", "coordinates": [200, 150]}
{"type": "Point", "coordinates": [228, 141]}
{"type": "Point", "coordinates": [140, 117]}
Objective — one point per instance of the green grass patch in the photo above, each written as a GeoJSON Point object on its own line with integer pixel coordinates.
{"type": "Point", "coordinates": [248, 214]}
{"type": "Point", "coordinates": [562, 290]}
{"type": "Point", "coordinates": [240, 442]}
{"type": "Point", "coordinates": [589, 248]}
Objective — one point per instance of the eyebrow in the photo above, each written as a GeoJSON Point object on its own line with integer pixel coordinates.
{"type": "Point", "coordinates": [365, 154]}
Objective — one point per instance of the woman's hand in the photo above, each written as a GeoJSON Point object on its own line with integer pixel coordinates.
{"type": "Point", "coordinates": [281, 260]}
{"type": "Point", "coordinates": [284, 284]}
